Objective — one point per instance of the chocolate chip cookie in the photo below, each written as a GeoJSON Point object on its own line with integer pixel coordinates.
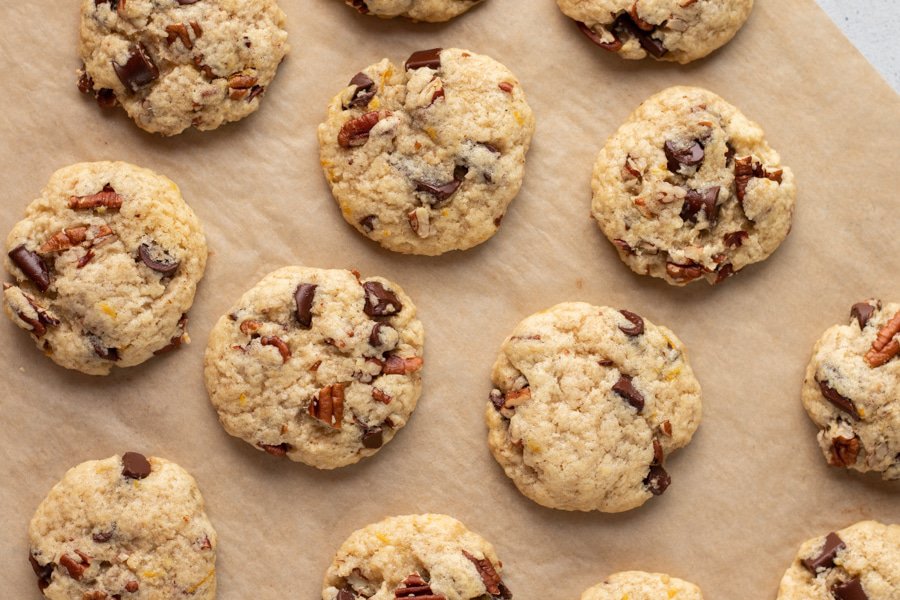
{"type": "Point", "coordinates": [861, 562]}
{"type": "Point", "coordinates": [422, 556]}
{"type": "Point", "coordinates": [588, 402]}
{"type": "Point", "coordinates": [671, 30]}
{"type": "Point", "coordinates": [852, 390]}
{"type": "Point", "coordinates": [321, 366]}
{"type": "Point", "coordinates": [123, 527]}
{"type": "Point", "coordinates": [173, 64]}
{"type": "Point", "coordinates": [638, 585]}
{"type": "Point", "coordinates": [688, 189]}
{"type": "Point", "coordinates": [426, 157]}
{"type": "Point", "coordinates": [106, 263]}
{"type": "Point", "coordinates": [433, 11]}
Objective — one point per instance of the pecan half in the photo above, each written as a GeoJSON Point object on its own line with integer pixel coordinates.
{"type": "Point", "coordinates": [489, 576]}
{"type": "Point", "coordinates": [76, 236]}
{"type": "Point", "coordinates": [355, 132]}
{"type": "Point", "coordinates": [844, 451]}
{"type": "Point", "coordinates": [106, 198]}
{"type": "Point", "coordinates": [328, 405]}
{"type": "Point", "coordinates": [75, 567]}
{"type": "Point", "coordinates": [283, 348]}
{"type": "Point", "coordinates": [886, 346]}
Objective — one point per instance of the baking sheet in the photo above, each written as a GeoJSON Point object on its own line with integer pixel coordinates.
{"type": "Point", "coordinates": [749, 489]}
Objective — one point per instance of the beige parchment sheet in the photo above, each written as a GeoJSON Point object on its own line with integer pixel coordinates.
{"type": "Point", "coordinates": [749, 489]}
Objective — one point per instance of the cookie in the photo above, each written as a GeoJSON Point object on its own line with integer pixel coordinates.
{"type": "Point", "coordinates": [861, 562]}
{"type": "Point", "coordinates": [638, 585]}
{"type": "Point", "coordinates": [688, 189]}
{"type": "Point", "coordinates": [124, 527]}
{"type": "Point", "coordinates": [106, 264]}
{"type": "Point", "coordinates": [852, 390]}
{"type": "Point", "coordinates": [671, 30]}
{"type": "Point", "coordinates": [317, 365]}
{"type": "Point", "coordinates": [432, 11]}
{"type": "Point", "coordinates": [425, 158]}
{"type": "Point", "coordinates": [422, 556]}
{"type": "Point", "coordinates": [588, 402]}
{"type": "Point", "coordinates": [173, 64]}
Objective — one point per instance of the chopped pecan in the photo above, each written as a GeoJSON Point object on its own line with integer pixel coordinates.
{"type": "Point", "coordinates": [623, 246]}
{"type": "Point", "coordinates": [240, 84]}
{"type": "Point", "coordinates": [489, 576]}
{"type": "Point", "coordinates": [761, 172]}
{"type": "Point", "coordinates": [75, 567]}
{"type": "Point", "coordinates": [95, 595]}
{"type": "Point", "coordinates": [132, 586]}
{"type": "Point", "coordinates": [642, 24]}
{"type": "Point", "coordinates": [44, 572]}
{"type": "Point", "coordinates": [683, 273]}
{"type": "Point", "coordinates": [666, 428]}
{"type": "Point", "coordinates": [44, 318]}
{"type": "Point", "coordinates": [279, 450]}
{"type": "Point", "coordinates": [506, 86]}
{"type": "Point", "coordinates": [416, 587]}
{"type": "Point", "coordinates": [249, 326]}
{"type": "Point", "coordinates": [630, 168]}
{"type": "Point", "coordinates": [735, 239]}
{"type": "Point", "coordinates": [723, 272]}
{"type": "Point", "coordinates": [844, 451]}
{"type": "Point", "coordinates": [85, 81]}
{"type": "Point", "coordinates": [613, 46]}
{"type": "Point", "coordinates": [283, 349]}
{"type": "Point", "coordinates": [355, 132]}
{"type": "Point", "coordinates": [328, 405]}
{"type": "Point", "coordinates": [380, 396]}
{"type": "Point", "coordinates": [396, 365]}
{"type": "Point", "coordinates": [106, 198]}
{"type": "Point", "coordinates": [179, 31]}
{"type": "Point", "coordinates": [178, 339]}
{"type": "Point", "coordinates": [886, 346]}
{"type": "Point", "coordinates": [76, 236]}
{"type": "Point", "coordinates": [658, 456]}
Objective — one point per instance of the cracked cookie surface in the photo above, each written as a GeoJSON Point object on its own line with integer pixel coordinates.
{"type": "Point", "coordinates": [317, 365]}
{"type": "Point", "coordinates": [588, 402]}
{"type": "Point", "coordinates": [860, 562]}
{"type": "Point", "coordinates": [124, 527]}
{"type": "Point", "coordinates": [670, 30]}
{"type": "Point", "coordinates": [106, 263]}
{"type": "Point", "coordinates": [688, 189]}
{"type": "Point", "coordinates": [432, 11]}
{"type": "Point", "coordinates": [428, 555]}
{"type": "Point", "coordinates": [852, 390]}
{"type": "Point", "coordinates": [426, 159]}
{"type": "Point", "coordinates": [638, 585]}
{"type": "Point", "coordinates": [173, 64]}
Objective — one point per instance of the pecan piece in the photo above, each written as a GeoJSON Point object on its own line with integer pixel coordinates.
{"type": "Point", "coordinates": [75, 567]}
{"type": "Point", "coordinates": [178, 31]}
{"type": "Point", "coordinates": [666, 428]}
{"type": "Point", "coordinates": [844, 451]}
{"type": "Point", "coordinates": [44, 318]}
{"type": "Point", "coordinates": [276, 450]}
{"type": "Point", "coordinates": [396, 365]}
{"type": "Point", "coordinates": [355, 132]}
{"type": "Point", "coordinates": [328, 405]}
{"type": "Point", "coordinates": [505, 86]}
{"type": "Point", "coordinates": [613, 46]}
{"type": "Point", "coordinates": [886, 346]}
{"type": "Point", "coordinates": [416, 587]}
{"type": "Point", "coordinates": [178, 339]}
{"type": "Point", "coordinates": [743, 172]}
{"type": "Point", "coordinates": [249, 326]}
{"type": "Point", "coordinates": [240, 84]}
{"type": "Point", "coordinates": [420, 221]}
{"type": "Point", "coordinates": [132, 586]}
{"type": "Point", "coordinates": [735, 239]}
{"type": "Point", "coordinates": [489, 576]}
{"type": "Point", "coordinates": [642, 24]}
{"type": "Point", "coordinates": [380, 396]}
{"type": "Point", "coordinates": [106, 198]}
{"type": "Point", "coordinates": [683, 273]}
{"type": "Point", "coordinates": [283, 349]}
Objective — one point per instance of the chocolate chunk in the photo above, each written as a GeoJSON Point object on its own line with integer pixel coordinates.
{"type": "Point", "coordinates": [101, 350]}
{"type": "Point", "coordinates": [106, 98]}
{"type": "Point", "coordinates": [186, 2]}
{"type": "Point", "coordinates": [380, 302]}
{"type": "Point", "coordinates": [460, 172]}
{"type": "Point", "coordinates": [637, 322]}
{"type": "Point", "coordinates": [424, 58]}
{"type": "Point", "coordinates": [489, 576]}
{"type": "Point", "coordinates": [626, 389]}
{"type": "Point", "coordinates": [700, 199]}
{"type": "Point", "coordinates": [687, 156]}
{"type": "Point", "coordinates": [613, 46]}
{"type": "Point", "coordinates": [43, 572]}
{"type": "Point", "coordinates": [359, 5]}
{"type": "Point", "coordinates": [849, 590]}
{"type": "Point", "coordinates": [303, 297]}
{"type": "Point", "coordinates": [364, 92]}
{"type": "Point", "coordinates": [345, 594]}
{"type": "Point", "coordinates": [157, 259]}
{"type": "Point", "coordinates": [102, 536]}
{"type": "Point", "coordinates": [441, 191]}
{"type": "Point", "coordinates": [653, 46]}
{"type": "Point", "coordinates": [657, 480]}
{"type": "Point", "coordinates": [135, 466]}
{"type": "Point", "coordinates": [138, 71]}
{"type": "Point", "coordinates": [497, 399]}
{"type": "Point", "coordinates": [368, 223]}
{"type": "Point", "coordinates": [862, 312]}
{"type": "Point", "coordinates": [825, 559]}
{"type": "Point", "coordinates": [843, 403]}
{"type": "Point", "coordinates": [375, 335]}
{"type": "Point", "coordinates": [735, 239]}
{"type": "Point", "coordinates": [279, 450]}
{"type": "Point", "coordinates": [729, 153]}
{"type": "Point", "coordinates": [723, 272]}
{"type": "Point", "coordinates": [373, 437]}
{"type": "Point", "coordinates": [32, 265]}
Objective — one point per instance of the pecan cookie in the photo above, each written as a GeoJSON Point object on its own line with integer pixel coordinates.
{"type": "Point", "coordinates": [317, 365]}
{"type": "Point", "coordinates": [124, 527]}
{"type": "Point", "coordinates": [423, 556]}
{"type": "Point", "coordinates": [106, 264]}
{"type": "Point", "coordinates": [689, 189]}
{"type": "Point", "coordinates": [852, 390]}
{"type": "Point", "coordinates": [173, 64]}
{"type": "Point", "coordinates": [588, 401]}
{"type": "Point", "coordinates": [425, 158]}
{"type": "Point", "coordinates": [638, 585]}
{"type": "Point", "coordinates": [432, 11]}
{"type": "Point", "coordinates": [861, 562]}
{"type": "Point", "coordinates": [672, 30]}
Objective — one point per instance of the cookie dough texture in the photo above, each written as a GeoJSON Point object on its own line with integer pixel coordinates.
{"type": "Point", "coordinates": [101, 534]}
{"type": "Point", "coordinates": [688, 189]}
{"type": "Point", "coordinates": [559, 427]}
{"type": "Point", "coordinates": [870, 554]}
{"type": "Point", "coordinates": [670, 30]}
{"type": "Point", "coordinates": [174, 64]}
{"type": "Point", "coordinates": [426, 160]}
{"type": "Point", "coordinates": [275, 370]}
{"type": "Point", "coordinates": [433, 11]}
{"type": "Point", "coordinates": [856, 405]}
{"type": "Point", "coordinates": [377, 561]}
{"type": "Point", "coordinates": [103, 305]}
{"type": "Point", "coordinates": [638, 585]}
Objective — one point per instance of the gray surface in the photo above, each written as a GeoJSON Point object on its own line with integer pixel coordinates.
{"type": "Point", "coordinates": [871, 25]}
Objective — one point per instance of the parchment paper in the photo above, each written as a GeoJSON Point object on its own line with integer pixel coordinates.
{"type": "Point", "coordinates": [749, 489]}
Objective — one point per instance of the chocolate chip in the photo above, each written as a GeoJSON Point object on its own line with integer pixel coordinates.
{"type": "Point", "coordinates": [345, 595]}
{"type": "Point", "coordinates": [687, 156]}
{"type": "Point", "coordinates": [138, 71]}
{"type": "Point", "coordinates": [32, 265]}
{"type": "Point", "coordinates": [157, 259]}
{"type": "Point", "coordinates": [636, 321]}
{"type": "Point", "coordinates": [497, 399]}
{"type": "Point", "coordinates": [364, 92]}
{"type": "Point", "coordinates": [135, 465]}
{"type": "Point", "coordinates": [441, 191]}
{"type": "Point", "coordinates": [43, 572]}
{"type": "Point", "coordinates": [657, 480]}
{"type": "Point", "coordinates": [849, 590]}
{"type": "Point", "coordinates": [613, 46]}
{"type": "Point", "coordinates": [695, 200]}
{"type": "Point", "coordinates": [373, 437]}
{"type": "Point", "coordinates": [380, 302]}
{"type": "Point", "coordinates": [424, 58]}
{"type": "Point", "coordinates": [735, 239]}
{"type": "Point", "coordinates": [862, 312]}
{"type": "Point", "coordinates": [303, 297]}
{"type": "Point", "coordinates": [825, 559]}
{"type": "Point", "coordinates": [368, 223]}
{"type": "Point", "coordinates": [843, 403]}
{"type": "Point", "coordinates": [626, 389]}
